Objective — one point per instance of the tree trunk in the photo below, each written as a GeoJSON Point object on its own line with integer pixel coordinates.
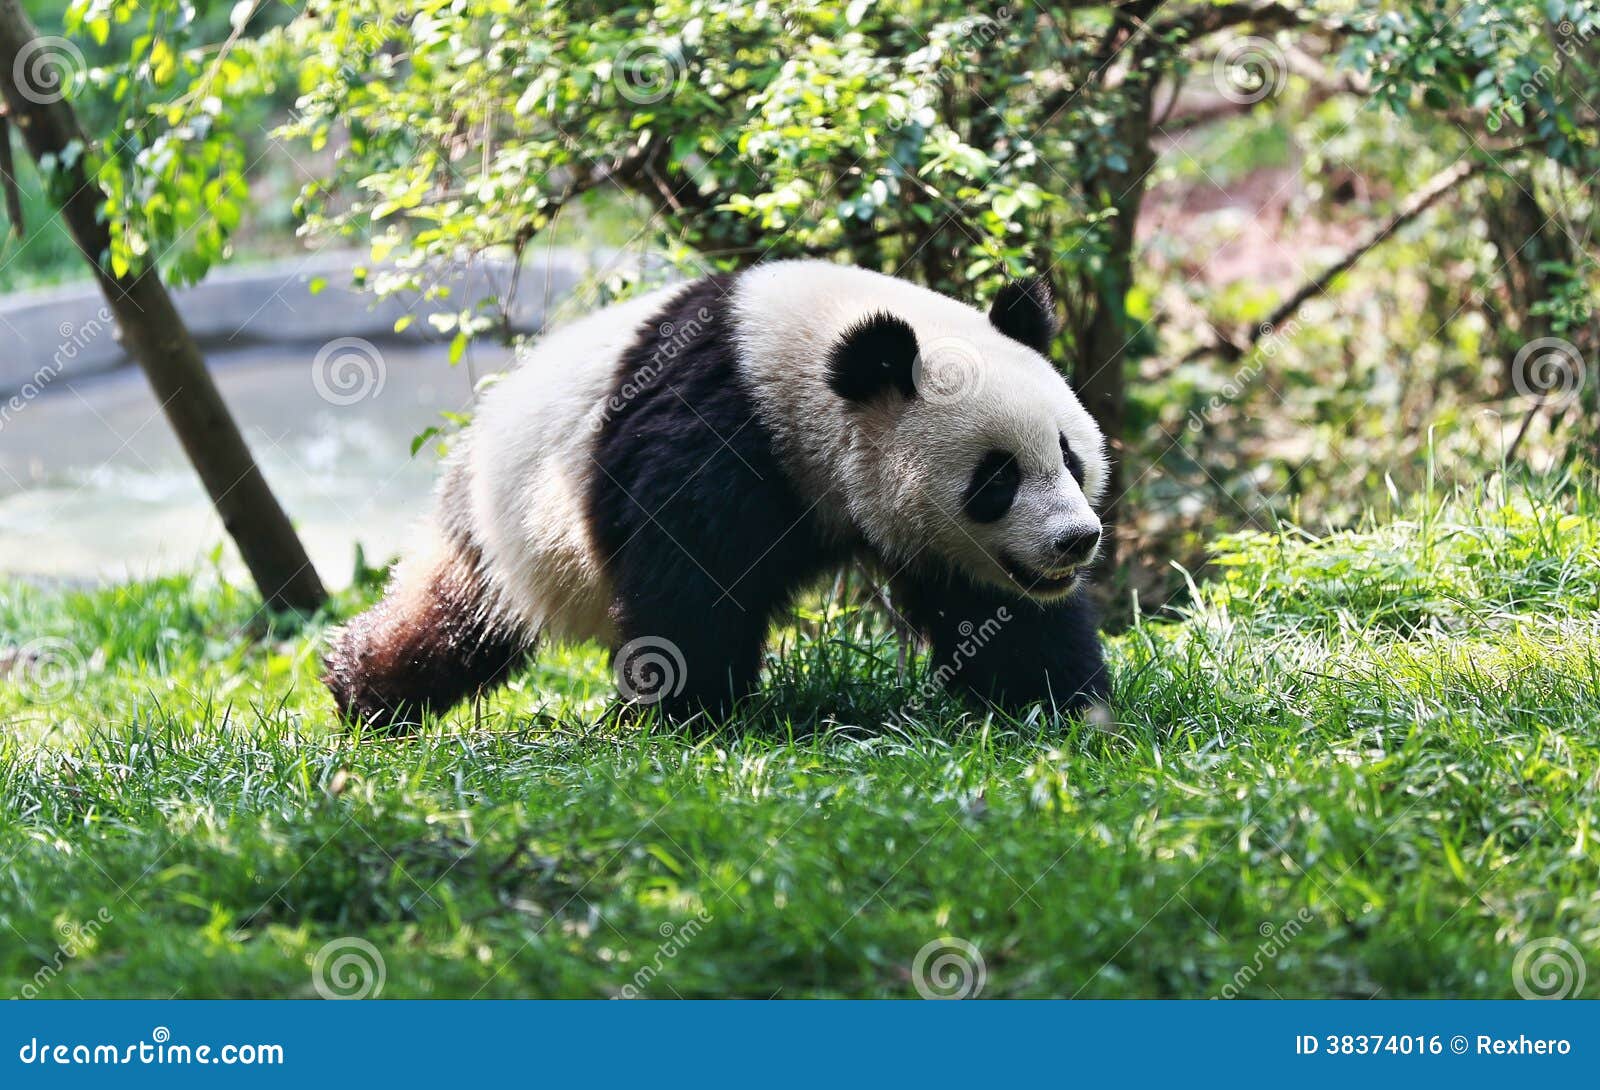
{"type": "Point", "coordinates": [1527, 239]}
{"type": "Point", "coordinates": [155, 335]}
{"type": "Point", "coordinates": [1101, 364]}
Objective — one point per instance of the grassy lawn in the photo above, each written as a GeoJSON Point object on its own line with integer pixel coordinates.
{"type": "Point", "coordinates": [1364, 765]}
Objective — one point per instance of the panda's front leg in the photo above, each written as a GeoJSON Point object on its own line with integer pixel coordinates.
{"type": "Point", "coordinates": [684, 647]}
{"type": "Point", "coordinates": [1005, 647]}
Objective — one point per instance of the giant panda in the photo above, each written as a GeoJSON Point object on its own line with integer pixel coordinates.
{"type": "Point", "coordinates": [665, 474]}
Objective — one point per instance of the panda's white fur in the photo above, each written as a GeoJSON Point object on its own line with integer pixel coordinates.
{"type": "Point", "coordinates": [510, 555]}
{"type": "Point", "coordinates": [528, 458]}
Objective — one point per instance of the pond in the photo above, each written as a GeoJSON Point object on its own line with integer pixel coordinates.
{"type": "Point", "coordinates": [93, 485]}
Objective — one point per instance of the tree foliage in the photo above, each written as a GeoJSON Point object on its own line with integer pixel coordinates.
{"type": "Point", "coordinates": [950, 145]}
{"type": "Point", "coordinates": [929, 139]}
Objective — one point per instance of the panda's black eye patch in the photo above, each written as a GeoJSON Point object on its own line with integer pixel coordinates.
{"type": "Point", "coordinates": [993, 487]}
{"type": "Point", "coordinates": [1074, 463]}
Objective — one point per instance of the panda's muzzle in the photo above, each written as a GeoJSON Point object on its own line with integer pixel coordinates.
{"type": "Point", "coordinates": [1077, 545]}
{"type": "Point", "coordinates": [1040, 584]}
{"type": "Point", "coordinates": [1060, 564]}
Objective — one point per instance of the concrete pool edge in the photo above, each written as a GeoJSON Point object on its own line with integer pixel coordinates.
{"type": "Point", "coordinates": [67, 332]}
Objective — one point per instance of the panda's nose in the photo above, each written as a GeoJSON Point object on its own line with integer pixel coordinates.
{"type": "Point", "coordinates": [1078, 544]}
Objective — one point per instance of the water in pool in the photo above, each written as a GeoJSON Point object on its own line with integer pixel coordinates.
{"type": "Point", "coordinates": [94, 486]}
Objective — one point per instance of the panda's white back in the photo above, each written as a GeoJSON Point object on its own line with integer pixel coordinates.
{"type": "Point", "coordinates": [529, 453]}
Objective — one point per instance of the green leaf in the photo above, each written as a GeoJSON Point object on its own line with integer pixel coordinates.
{"type": "Point", "coordinates": [421, 438]}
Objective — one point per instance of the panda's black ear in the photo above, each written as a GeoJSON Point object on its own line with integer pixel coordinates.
{"type": "Point", "coordinates": [1025, 311]}
{"type": "Point", "coordinates": [875, 356]}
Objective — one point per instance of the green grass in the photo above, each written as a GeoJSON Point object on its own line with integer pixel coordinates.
{"type": "Point", "coordinates": [1362, 765]}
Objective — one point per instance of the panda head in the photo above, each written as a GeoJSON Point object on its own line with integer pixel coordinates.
{"type": "Point", "coordinates": [968, 444]}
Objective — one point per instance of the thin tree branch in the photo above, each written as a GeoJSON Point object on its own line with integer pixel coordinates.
{"type": "Point", "coordinates": [8, 175]}
{"type": "Point", "coordinates": [1262, 16]}
{"type": "Point", "coordinates": [1413, 206]}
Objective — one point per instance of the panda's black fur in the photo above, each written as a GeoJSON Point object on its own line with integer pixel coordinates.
{"type": "Point", "coordinates": [703, 534]}
{"type": "Point", "coordinates": [702, 526]}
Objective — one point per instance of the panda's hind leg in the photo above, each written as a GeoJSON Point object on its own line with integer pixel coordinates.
{"type": "Point", "coordinates": [434, 639]}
